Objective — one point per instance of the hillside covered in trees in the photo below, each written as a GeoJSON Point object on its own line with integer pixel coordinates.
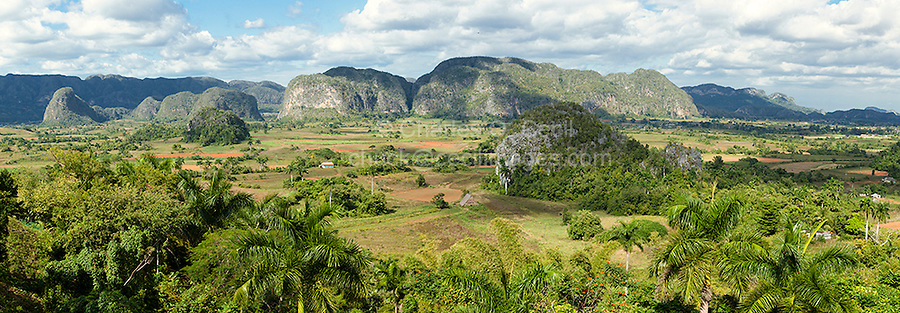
{"type": "Point", "coordinates": [485, 86]}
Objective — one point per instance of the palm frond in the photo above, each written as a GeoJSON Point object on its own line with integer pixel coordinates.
{"type": "Point", "coordinates": [765, 299]}
{"type": "Point", "coordinates": [487, 295]}
{"type": "Point", "coordinates": [833, 259]}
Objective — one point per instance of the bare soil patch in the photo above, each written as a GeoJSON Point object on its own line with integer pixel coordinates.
{"type": "Point", "coordinates": [192, 167]}
{"type": "Point", "coordinates": [211, 155]}
{"type": "Point", "coordinates": [892, 225]}
{"type": "Point", "coordinates": [426, 194]}
{"type": "Point", "coordinates": [439, 145]}
{"type": "Point", "coordinates": [725, 157]}
{"type": "Point", "coordinates": [772, 160]}
{"type": "Point", "coordinates": [797, 167]}
{"type": "Point", "coordinates": [868, 172]}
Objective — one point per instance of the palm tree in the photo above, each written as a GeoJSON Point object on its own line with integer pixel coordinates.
{"type": "Point", "coordinates": [215, 203]}
{"type": "Point", "coordinates": [298, 167]}
{"type": "Point", "coordinates": [691, 258]}
{"type": "Point", "coordinates": [392, 278]}
{"type": "Point", "coordinates": [789, 278]}
{"type": "Point", "coordinates": [631, 234]}
{"type": "Point", "coordinates": [876, 210]}
{"type": "Point", "coordinates": [297, 256]}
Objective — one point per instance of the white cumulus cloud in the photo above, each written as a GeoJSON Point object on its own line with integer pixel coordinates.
{"type": "Point", "coordinates": [779, 45]}
{"type": "Point", "coordinates": [257, 23]}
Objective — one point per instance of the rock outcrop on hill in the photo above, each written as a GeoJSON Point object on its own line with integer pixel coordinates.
{"type": "Point", "coordinates": [67, 109]}
{"type": "Point", "coordinates": [346, 90]}
{"type": "Point", "coordinates": [561, 135]}
{"type": "Point", "coordinates": [478, 86]}
{"type": "Point", "coordinates": [486, 86]}
{"type": "Point", "coordinates": [180, 106]}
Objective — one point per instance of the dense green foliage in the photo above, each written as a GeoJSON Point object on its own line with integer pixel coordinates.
{"type": "Point", "coordinates": [111, 233]}
{"type": "Point", "coordinates": [420, 181]}
{"type": "Point", "coordinates": [635, 233]}
{"type": "Point", "coordinates": [8, 206]}
{"type": "Point", "coordinates": [346, 197]}
{"type": "Point", "coordinates": [383, 168]}
{"type": "Point", "coordinates": [299, 263]}
{"type": "Point", "coordinates": [155, 131]}
{"type": "Point", "coordinates": [889, 160]}
{"type": "Point", "coordinates": [562, 152]}
{"type": "Point", "coordinates": [212, 126]}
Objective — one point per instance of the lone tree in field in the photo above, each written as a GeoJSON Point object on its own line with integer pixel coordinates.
{"type": "Point", "coordinates": [420, 181]}
{"type": "Point", "coordinates": [439, 201]}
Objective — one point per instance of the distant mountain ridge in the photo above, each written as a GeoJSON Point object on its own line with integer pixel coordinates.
{"type": "Point", "coordinates": [24, 98]}
{"type": "Point", "coordinates": [750, 103]}
{"type": "Point", "coordinates": [181, 106]}
{"type": "Point", "coordinates": [720, 101]}
{"type": "Point", "coordinates": [486, 86]}
{"type": "Point", "coordinates": [465, 87]}
{"type": "Point", "coordinates": [68, 109]}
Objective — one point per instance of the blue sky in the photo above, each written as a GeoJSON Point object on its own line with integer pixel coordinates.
{"type": "Point", "coordinates": [826, 54]}
{"type": "Point", "coordinates": [227, 17]}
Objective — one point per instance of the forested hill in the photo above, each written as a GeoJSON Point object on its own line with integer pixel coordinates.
{"type": "Point", "coordinates": [23, 98]}
{"type": "Point", "coordinates": [486, 86]}
{"type": "Point", "coordinates": [754, 104]}
{"type": "Point", "coordinates": [747, 103]}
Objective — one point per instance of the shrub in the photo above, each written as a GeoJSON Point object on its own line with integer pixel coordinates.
{"type": "Point", "coordinates": [420, 181]}
{"type": "Point", "coordinates": [439, 201]}
{"type": "Point", "coordinates": [584, 225]}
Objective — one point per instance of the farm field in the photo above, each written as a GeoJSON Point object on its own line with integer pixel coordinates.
{"type": "Point", "coordinates": [414, 222]}
{"type": "Point", "coordinates": [395, 186]}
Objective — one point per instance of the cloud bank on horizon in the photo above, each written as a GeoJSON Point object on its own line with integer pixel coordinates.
{"type": "Point", "coordinates": [827, 54]}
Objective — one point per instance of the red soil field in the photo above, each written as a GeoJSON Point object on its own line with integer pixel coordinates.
{"type": "Point", "coordinates": [891, 225]}
{"type": "Point", "coordinates": [436, 144]}
{"type": "Point", "coordinates": [426, 194]}
{"type": "Point", "coordinates": [865, 172]}
{"type": "Point", "coordinates": [192, 167]}
{"type": "Point", "coordinates": [211, 155]}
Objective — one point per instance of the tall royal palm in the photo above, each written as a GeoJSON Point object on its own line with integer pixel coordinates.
{"type": "Point", "coordinates": [876, 210]}
{"type": "Point", "coordinates": [691, 258]}
{"type": "Point", "coordinates": [298, 256]}
{"type": "Point", "coordinates": [789, 278]}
